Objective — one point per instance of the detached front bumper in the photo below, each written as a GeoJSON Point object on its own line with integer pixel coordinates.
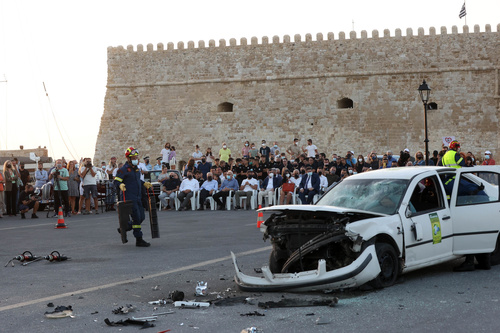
{"type": "Point", "coordinates": [365, 268]}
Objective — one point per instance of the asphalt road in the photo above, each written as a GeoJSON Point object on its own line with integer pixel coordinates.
{"type": "Point", "coordinates": [104, 274]}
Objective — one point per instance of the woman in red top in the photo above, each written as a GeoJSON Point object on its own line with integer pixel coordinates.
{"type": "Point", "coordinates": [487, 158]}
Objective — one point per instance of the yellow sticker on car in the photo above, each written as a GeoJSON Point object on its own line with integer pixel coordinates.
{"type": "Point", "coordinates": [436, 228]}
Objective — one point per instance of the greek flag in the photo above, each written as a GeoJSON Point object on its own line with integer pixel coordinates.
{"type": "Point", "coordinates": [462, 12]}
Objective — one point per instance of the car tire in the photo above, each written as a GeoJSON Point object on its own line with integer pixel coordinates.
{"type": "Point", "coordinates": [277, 259]}
{"type": "Point", "coordinates": [495, 255]}
{"type": "Point", "coordinates": [389, 266]}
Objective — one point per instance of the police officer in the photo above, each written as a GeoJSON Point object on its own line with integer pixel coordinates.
{"type": "Point", "coordinates": [452, 159]}
{"type": "Point", "coordinates": [128, 179]}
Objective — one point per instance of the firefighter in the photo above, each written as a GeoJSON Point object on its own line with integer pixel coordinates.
{"type": "Point", "coordinates": [128, 179]}
{"type": "Point", "coordinates": [452, 159]}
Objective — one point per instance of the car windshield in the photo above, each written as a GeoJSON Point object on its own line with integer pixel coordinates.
{"type": "Point", "coordinates": [372, 195]}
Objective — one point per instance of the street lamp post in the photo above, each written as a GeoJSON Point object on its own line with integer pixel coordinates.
{"type": "Point", "coordinates": [425, 92]}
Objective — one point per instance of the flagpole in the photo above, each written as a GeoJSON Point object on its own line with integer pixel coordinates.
{"type": "Point", "coordinates": [465, 15]}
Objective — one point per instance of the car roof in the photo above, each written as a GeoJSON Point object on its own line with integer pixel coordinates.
{"type": "Point", "coordinates": [398, 172]}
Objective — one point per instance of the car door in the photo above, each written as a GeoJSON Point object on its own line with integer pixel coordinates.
{"type": "Point", "coordinates": [476, 211]}
{"type": "Point", "coordinates": [427, 223]}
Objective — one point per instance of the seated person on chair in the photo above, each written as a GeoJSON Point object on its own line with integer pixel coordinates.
{"type": "Point", "coordinates": [269, 186]}
{"type": "Point", "coordinates": [229, 184]}
{"type": "Point", "coordinates": [207, 189]}
{"type": "Point", "coordinates": [247, 187]}
{"type": "Point", "coordinates": [187, 189]}
{"type": "Point", "coordinates": [309, 186]}
{"type": "Point", "coordinates": [170, 186]}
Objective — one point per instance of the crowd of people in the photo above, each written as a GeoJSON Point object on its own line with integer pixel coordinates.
{"type": "Point", "coordinates": [267, 171]}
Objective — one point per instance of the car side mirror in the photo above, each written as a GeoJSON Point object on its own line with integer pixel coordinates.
{"type": "Point", "coordinates": [408, 212]}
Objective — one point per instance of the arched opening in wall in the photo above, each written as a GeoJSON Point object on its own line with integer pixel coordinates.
{"type": "Point", "coordinates": [432, 106]}
{"type": "Point", "coordinates": [345, 103]}
{"type": "Point", "coordinates": [225, 107]}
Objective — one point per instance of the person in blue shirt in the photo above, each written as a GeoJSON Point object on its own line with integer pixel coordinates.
{"type": "Point", "coordinates": [229, 184]}
{"type": "Point", "coordinates": [391, 161]}
{"type": "Point", "coordinates": [128, 179]}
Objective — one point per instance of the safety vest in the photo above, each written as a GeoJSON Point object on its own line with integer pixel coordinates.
{"type": "Point", "coordinates": [449, 160]}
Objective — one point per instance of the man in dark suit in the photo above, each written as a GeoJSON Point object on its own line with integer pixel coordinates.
{"type": "Point", "coordinates": [309, 186]}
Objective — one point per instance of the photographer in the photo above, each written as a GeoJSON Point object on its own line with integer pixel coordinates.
{"type": "Point", "coordinates": [28, 200]}
{"type": "Point", "coordinates": [88, 173]}
{"type": "Point", "coordinates": [60, 176]}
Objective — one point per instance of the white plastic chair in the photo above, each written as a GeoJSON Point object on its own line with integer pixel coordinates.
{"type": "Point", "coordinates": [253, 200]}
{"type": "Point", "coordinates": [194, 201]}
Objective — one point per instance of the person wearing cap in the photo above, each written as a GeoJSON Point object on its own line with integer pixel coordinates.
{"type": "Point", "coordinates": [294, 149]}
{"type": "Point", "coordinates": [158, 165]}
{"type": "Point", "coordinates": [412, 159]}
{"type": "Point", "coordinates": [487, 158]}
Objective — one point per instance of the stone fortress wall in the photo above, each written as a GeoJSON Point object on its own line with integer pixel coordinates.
{"type": "Point", "coordinates": [281, 89]}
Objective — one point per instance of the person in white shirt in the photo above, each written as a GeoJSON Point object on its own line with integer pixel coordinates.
{"type": "Point", "coordinates": [247, 187]}
{"type": "Point", "coordinates": [197, 155]}
{"type": "Point", "coordinates": [311, 150]}
{"type": "Point", "coordinates": [111, 168]}
{"type": "Point", "coordinates": [294, 179]}
{"type": "Point", "coordinates": [323, 181]}
{"type": "Point", "coordinates": [88, 174]}
{"type": "Point", "coordinates": [208, 188]}
{"type": "Point", "coordinates": [144, 167]}
{"type": "Point", "coordinates": [187, 189]}
{"type": "Point", "coordinates": [165, 153]}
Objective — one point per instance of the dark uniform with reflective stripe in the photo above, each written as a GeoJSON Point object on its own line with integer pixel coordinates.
{"type": "Point", "coordinates": [130, 175]}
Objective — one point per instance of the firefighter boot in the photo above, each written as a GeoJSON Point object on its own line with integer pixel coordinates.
{"type": "Point", "coordinates": [141, 242]}
{"type": "Point", "coordinates": [467, 265]}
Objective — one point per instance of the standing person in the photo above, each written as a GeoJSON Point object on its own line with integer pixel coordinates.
{"type": "Point", "coordinates": [128, 179]}
{"type": "Point", "coordinates": [188, 167]}
{"type": "Point", "coordinates": [61, 176]}
{"type": "Point", "coordinates": [419, 159]}
{"type": "Point", "coordinates": [253, 152]}
{"type": "Point", "coordinates": [173, 158]}
{"type": "Point", "coordinates": [41, 176]}
{"type": "Point", "coordinates": [391, 161]}
{"type": "Point", "coordinates": [73, 185]}
{"type": "Point", "coordinates": [204, 167]}
{"type": "Point", "coordinates": [2, 187]}
{"type": "Point", "coordinates": [265, 151]}
{"type": "Point", "coordinates": [224, 153]}
{"type": "Point", "coordinates": [294, 150]}
{"type": "Point", "coordinates": [25, 174]}
{"type": "Point", "coordinates": [275, 149]}
{"type": "Point", "coordinates": [165, 153]}
{"type": "Point", "coordinates": [245, 150]}
{"type": "Point", "coordinates": [158, 166]}
{"type": "Point", "coordinates": [111, 167]}
{"type": "Point", "coordinates": [10, 188]}
{"type": "Point", "coordinates": [197, 154]}
{"type": "Point", "coordinates": [209, 155]}
{"type": "Point", "coordinates": [88, 173]}
{"type": "Point", "coordinates": [311, 150]}
{"type": "Point", "coordinates": [487, 158]}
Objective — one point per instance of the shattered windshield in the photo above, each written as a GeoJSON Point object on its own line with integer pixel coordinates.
{"type": "Point", "coordinates": [373, 195]}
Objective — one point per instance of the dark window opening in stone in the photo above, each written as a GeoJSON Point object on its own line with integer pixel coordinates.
{"type": "Point", "coordinates": [225, 107]}
{"type": "Point", "coordinates": [345, 103]}
{"type": "Point", "coordinates": [432, 106]}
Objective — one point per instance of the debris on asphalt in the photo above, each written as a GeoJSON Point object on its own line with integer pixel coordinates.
{"type": "Point", "coordinates": [201, 288]}
{"type": "Point", "coordinates": [129, 321]}
{"type": "Point", "coordinates": [50, 305]}
{"type": "Point", "coordinates": [228, 301]}
{"type": "Point", "coordinates": [60, 312]}
{"type": "Point", "coordinates": [250, 330]}
{"type": "Point", "coordinates": [250, 300]}
{"type": "Point", "coordinates": [310, 314]}
{"type": "Point", "coordinates": [124, 309]}
{"type": "Point", "coordinates": [158, 302]}
{"type": "Point", "coordinates": [95, 312]}
{"type": "Point", "coordinates": [191, 305]}
{"type": "Point", "coordinates": [176, 295]}
{"type": "Point", "coordinates": [156, 288]}
{"type": "Point", "coordinates": [322, 321]}
{"type": "Point", "coordinates": [255, 313]}
{"type": "Point", "coordinates": [162, 313]}
{"type": "Point", "coordinates": [293, 303]}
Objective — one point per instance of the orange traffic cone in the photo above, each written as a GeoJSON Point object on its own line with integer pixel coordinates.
{"type": "Point", "coordinates": [260, 217]}
{"type": "Point", "coordinates": [60, 220]}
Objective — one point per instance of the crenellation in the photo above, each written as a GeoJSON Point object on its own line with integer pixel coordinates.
{"type": "Point", "coordinates": [409, 32]}
{"type": "Point", "coordinates": [476, 28]}
{"type": "Point", "coordinates": [180, 45]}
{"type": "Point", "coordinates": [380, 74]}
{"type": "Point", "coordinates": [466, 29]}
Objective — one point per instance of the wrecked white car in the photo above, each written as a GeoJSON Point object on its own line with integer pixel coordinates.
{"type": "Point", "coordinates": [377, 225]}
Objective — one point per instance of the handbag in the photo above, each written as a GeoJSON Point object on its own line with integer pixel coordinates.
{"type": "Point", "coordinates": [19, 182]}
{"type": "Point", "coordinates": [288, 187]}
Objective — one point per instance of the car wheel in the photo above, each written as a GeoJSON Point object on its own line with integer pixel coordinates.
{"type": "Point", "coordinates": [495, 255]}
{"type": "Point", "coordinates": [276, 261]}
{"type": "Point", "coordinates": [389, 266]}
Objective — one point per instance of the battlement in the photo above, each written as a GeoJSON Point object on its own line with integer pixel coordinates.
{"type": "Point", "coordinates": [297, 38]}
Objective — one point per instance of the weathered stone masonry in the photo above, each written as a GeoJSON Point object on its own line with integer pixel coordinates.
{"type": "Point", "coordinates": [290, 88]}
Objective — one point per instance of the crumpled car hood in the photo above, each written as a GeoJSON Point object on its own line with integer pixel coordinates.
{"type": "Point", "coordinates": [317, 208]}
